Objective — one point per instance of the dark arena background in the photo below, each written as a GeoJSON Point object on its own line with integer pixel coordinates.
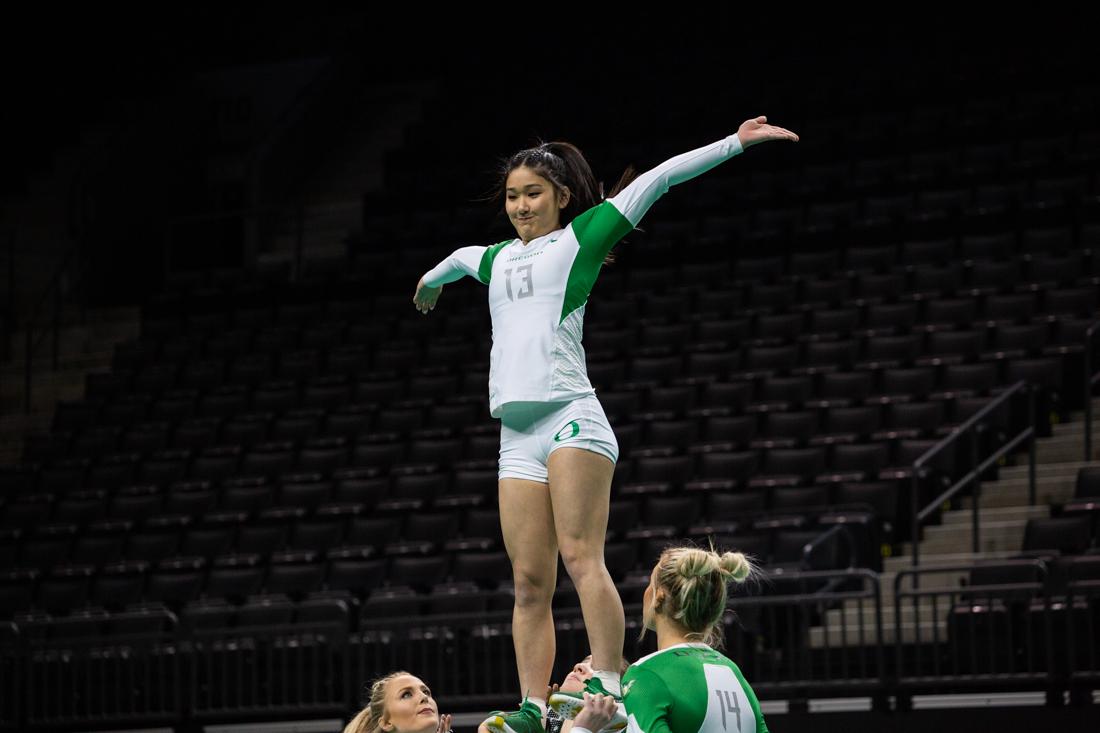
{"type": "Point", "coordinates": [241, 477]}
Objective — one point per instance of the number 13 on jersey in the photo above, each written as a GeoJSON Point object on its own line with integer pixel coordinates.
{"type": "Point", "coordinates": [526, 284]}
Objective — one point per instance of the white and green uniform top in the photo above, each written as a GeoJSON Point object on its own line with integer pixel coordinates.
{"type": "Point", "coordinates": [538, 290]}
{"type": "Point", "coordinates": [689, 688]}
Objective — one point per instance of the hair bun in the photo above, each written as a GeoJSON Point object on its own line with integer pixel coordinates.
{"type": "Point", "coordinates": [696, 563]}
{"type": "Point", "coordinates": [736, 565]}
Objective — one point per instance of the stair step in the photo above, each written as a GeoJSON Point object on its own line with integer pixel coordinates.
{"type": "Point", "coordinates": [948, 579]}
{"type": "Point", "coordinates": [1060, 469]}
{"type": "Point", "coordinates": [987, 543]}
{"type": "Point", "coordinates": [957, 537]}
{"type": "Point", "coordinates": [1063, 442]}
{"type": "Point", "coordinates": [1076, 426]}
{"type": "Point", "coordinates": [851, 615]}
{"type": "Point", "coordinates": [1045, 477]}
{"type": "Point", "coordinates": [988, 525]}
{"type": "Point", "coordinates": [1012, 500]}
{"type": "Point", "coordinates": [905, 561]}
{"type": "Point", "coordinates": [908, 634]}
{"type": "Point", "coordinates": [995, 514]}
{"type": "Point", "coordinates": [1060, 454]}
{"type": "Point", "coordinates": [1046, 493]}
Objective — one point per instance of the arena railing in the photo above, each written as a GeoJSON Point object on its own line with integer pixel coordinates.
{"type": "Point", "coordinates": [993, 636]}
{"type": "Point", "coordinates": [1078, 618]}
{"type": "Point", "coordinates": [267, 671]}
{"type": "Point", "coordinates": [778, 635]}
{"type": "Point", "coordinates": [794, 640]}
{"type": "Point", "coordinates": [131, 679]}
{"type": "Point", "coordinates": [972, 429]}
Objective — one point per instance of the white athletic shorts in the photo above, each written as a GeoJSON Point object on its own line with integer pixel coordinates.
{"type": "Point", "coordinates": [531, 431]}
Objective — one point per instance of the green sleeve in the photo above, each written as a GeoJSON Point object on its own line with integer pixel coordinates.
{"type": "Point", "coordinates": [485, 269]}
{"type": "Point", "coordinates": [598, 229]}
{"type": "Point", "coordinates": [647, 701]}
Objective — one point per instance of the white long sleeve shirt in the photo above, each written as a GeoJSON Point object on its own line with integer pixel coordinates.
{"type": "Point", "coordinates": [538, 290]}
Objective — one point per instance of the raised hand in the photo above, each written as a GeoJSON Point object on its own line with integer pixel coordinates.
{"type": "Point", "coordinates": [426, 297]}
{"type": "Point", "coordinates": [444, 724]}
{"type": "Point", "coordinates": [757, 130]}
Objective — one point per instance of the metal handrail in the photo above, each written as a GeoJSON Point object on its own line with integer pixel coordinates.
{"type": "Point", "coordinates": [914, 594]}
{"type": "Point", "coordinates": [836, 529]}
{"type": "Point", "coordinates": [959, 567]}
{"type": "Point", "coordinates": [788, 664]}
{"type": "Point", "coordinates": [974, 424]}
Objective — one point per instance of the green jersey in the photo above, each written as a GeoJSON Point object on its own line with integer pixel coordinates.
{"type": "Point", "coordinates": [689, 688]}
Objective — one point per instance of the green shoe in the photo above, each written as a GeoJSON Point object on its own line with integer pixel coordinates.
{"type": "Point", "coordinates": [528, 719]}
{"type": "Point", "coordinates": [568, 704]}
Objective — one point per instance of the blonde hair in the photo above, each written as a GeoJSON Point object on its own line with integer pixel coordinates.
{"type": "Point", "coordinates": [695, 583]}
{"type": "Point", "coordinates": [369, 719]}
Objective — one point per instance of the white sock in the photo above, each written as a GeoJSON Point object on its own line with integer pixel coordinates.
{"type": "Point", "coordinates": [540, 702]}
{"type": "Point", "coordinates": [610, 682]}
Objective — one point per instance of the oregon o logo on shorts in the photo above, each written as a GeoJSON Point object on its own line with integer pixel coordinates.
{"type": "Point", "coordinates": [572, 426]}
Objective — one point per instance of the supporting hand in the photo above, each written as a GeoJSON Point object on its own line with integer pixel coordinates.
{"type": "Point", "coordinates": [597, 712]}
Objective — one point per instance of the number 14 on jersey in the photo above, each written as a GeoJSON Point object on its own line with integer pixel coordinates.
{"type": "Point", "coordinates": [728, 702]}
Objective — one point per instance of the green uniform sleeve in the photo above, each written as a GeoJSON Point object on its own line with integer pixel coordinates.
{"type": "Point", "coordinates": [485, 267]}
{"type": "Point", "coordinates": [599, 228]}
{"type": "Point", "coordinates": [647, 701]}
{"type": "Point", "coordinates": [597, 231]}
